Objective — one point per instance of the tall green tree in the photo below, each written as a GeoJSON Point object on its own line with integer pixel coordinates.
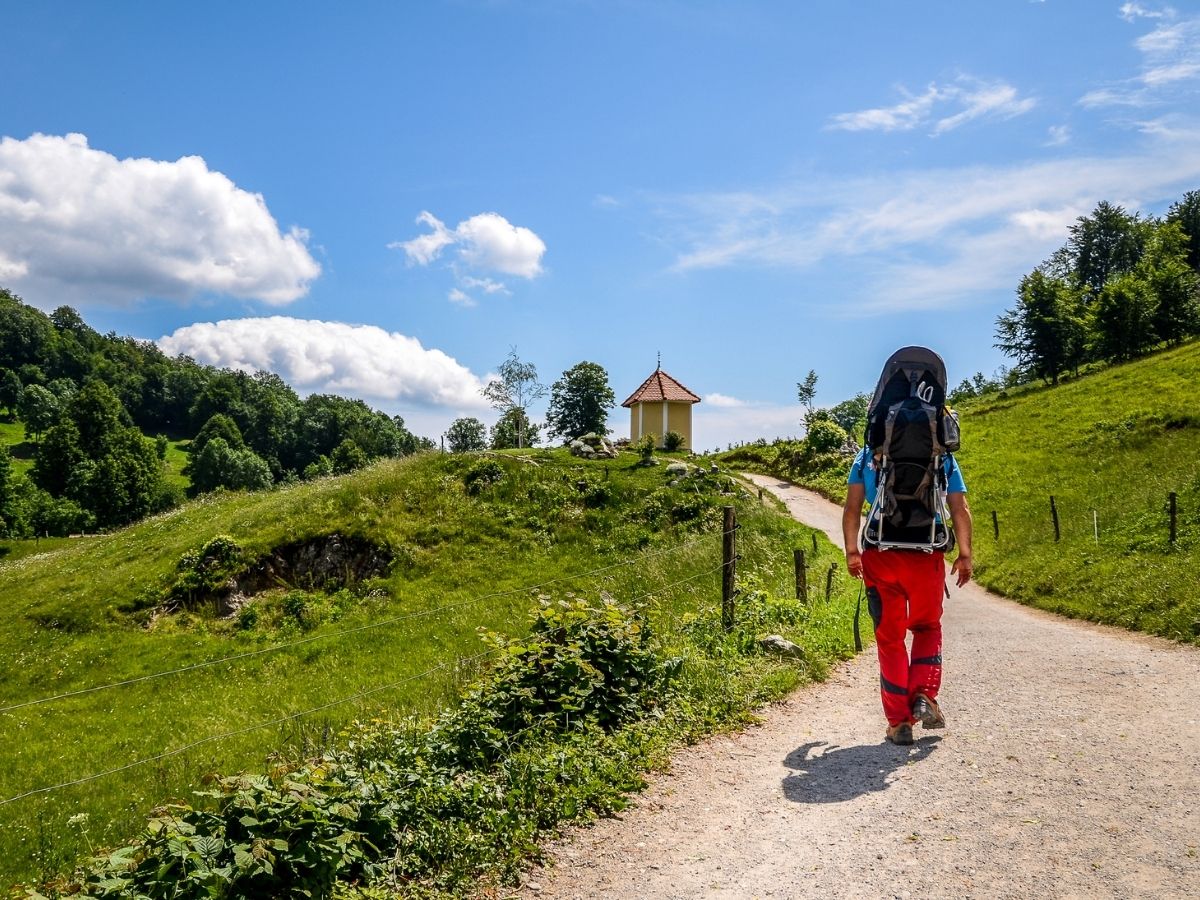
{"type": "Point", "coordinates": [1186, 214]}
{"type": "Point", "coordinates": [1123, 318]}
{"type": "Point", "coordinates": [1175, 284]}
{"type": "Point", "coordinates": [1043, 332]}
{"type": "Point", "coordinates": [516, 388]}
{"type": "Point", "coordinates": [466, 434]}
{"type": "Point", "coordinates": [512, 429]}
{"type": "Point", "coordinates": [1104, 244]}
{"type": "Point", "coordinates": [39, 410]}
{"type": "Point", "coordinates": [218, 465]}
{"type": "Point", "coordinates": [579, 402]}
{"type": "Point", "coordinates": [10, 390]}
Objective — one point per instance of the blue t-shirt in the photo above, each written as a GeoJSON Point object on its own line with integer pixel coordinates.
{"type": "Point", "coordinates": [863, 472]}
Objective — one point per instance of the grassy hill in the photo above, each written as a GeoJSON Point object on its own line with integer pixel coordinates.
{"type": "Point", "coordinates": [474, 540]}
{"type": "Point", "coordinates": [1109, 447]}
{"type": "Point", "coordinates": [1112, 444]}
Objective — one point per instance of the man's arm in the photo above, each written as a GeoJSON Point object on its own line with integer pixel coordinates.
{"type": "Point", "coordinates": [851, 516]}
{"type": "Point", "coordinates": [960, 515]}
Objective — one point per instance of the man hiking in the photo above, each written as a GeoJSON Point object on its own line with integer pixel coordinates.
{"type": "Point", "coordinates": [907, 474]}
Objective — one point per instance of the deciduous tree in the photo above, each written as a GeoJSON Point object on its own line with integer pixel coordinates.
{"type": "Point", "coordinates": [466, 434]}
{"type": "Point", "coordinates": [580, 401]}
{"type": "Point", "coordinates": [1043, 332]}
{"type": "Point", "coordinates": [516, 388]}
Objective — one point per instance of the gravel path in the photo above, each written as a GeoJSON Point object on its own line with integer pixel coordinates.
{"type": "Point", "coordinates": [1070, 768]}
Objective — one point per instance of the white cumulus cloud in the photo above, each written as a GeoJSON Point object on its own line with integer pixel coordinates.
{"type": "Point", "coordinates": [77, 223]}
{"type": "Point", "coordinates": [316, 357]}
{"type": "Point", "coordinates": [486, 242]}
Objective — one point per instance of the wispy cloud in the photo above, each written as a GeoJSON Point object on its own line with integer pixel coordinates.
{"type": "Point", "coordinates": [1131, 12]}
{"type": "Point", "coordinates": [923, 239]}
{"type": "Point", "coordinates": [1058, 135]}
{"type": "Point", "coordinates": [1170, 62]}
{"type": "Point", "coordinates": [943, 107]}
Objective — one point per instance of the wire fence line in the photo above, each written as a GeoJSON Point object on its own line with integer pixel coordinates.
{"type": "Point", "coordinates": [359, 695]}
{"type": "Point", "coordinates": [393, 620]}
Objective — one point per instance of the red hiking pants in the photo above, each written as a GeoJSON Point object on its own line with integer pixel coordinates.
{"type": "Point", "coordinates": [904, 593]}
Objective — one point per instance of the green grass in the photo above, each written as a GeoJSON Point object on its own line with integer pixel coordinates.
{"type": "Point", "coordinates": [75, 617]}
{"type": "Point", "coordinates": [174, 462]}
{"type": "Point", "coordinates": [12, 435]}
{"type": "Point", "coordinates": [1115, 442]}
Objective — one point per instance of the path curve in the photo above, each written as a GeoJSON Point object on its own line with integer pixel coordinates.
{"type": "Point", "coordinates": [1070, 768]}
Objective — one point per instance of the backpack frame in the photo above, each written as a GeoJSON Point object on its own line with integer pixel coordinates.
{"type": "Point", "coordinates": [910, 489]}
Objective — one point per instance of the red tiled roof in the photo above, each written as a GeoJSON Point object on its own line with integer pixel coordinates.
{"type": "Point", "coordinates": [658, 387]}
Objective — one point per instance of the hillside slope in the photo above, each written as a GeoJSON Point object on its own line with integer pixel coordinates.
{"type": "Point", "coordinates": [1109, 448]}
{"type": "Point", "coordinates": [474, 540]}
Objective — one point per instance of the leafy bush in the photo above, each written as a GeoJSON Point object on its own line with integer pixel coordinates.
{"type": "Point", "coordinates": [482, 474]}
{"type": "Point", "coordinates": [474, 789]}
{"type": "Point", "coordinates": [202, 572]}
{"type": "Point", "coordinates": [673, 441]}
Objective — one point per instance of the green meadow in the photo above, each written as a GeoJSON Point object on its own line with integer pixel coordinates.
{"type": "Point", "coordinates": [1109, 447]}
{"type": "Point", "coordinates": [476, 542]}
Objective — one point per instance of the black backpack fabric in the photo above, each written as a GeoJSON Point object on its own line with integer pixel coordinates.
{"type": "Point", "coordinates": [909, 432]}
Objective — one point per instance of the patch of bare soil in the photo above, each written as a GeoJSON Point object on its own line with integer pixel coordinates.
{"type": "Point", "coordinates": [1070, 768]}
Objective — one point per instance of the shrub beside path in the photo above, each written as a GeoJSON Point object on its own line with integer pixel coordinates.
{"type": "Point", "coordinates": [1070, 768]}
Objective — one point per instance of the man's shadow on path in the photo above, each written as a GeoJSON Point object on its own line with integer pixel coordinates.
{"type": "Point", "coordinates": [843, 773]}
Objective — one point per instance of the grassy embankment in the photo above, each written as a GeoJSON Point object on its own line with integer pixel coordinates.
{"type": "Point", "coordinates": [1114, 443]}
{"type": "Point", "coordinates": [81, 616]}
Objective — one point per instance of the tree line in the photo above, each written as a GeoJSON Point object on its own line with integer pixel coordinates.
{"type": "Point", "coordinates": [579, 405]}
{"type": "Point", "coordinates": [1121, 285]}
{"type": "Point", "coordinates": [88, 402]}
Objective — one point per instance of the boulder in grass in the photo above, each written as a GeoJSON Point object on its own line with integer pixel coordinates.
{"type": "Point", "coordinates": [593, 446]}
{"type": "Point", "coordinates": [781, 646]}
{"type": "Point", "coordinates": [677, 468]}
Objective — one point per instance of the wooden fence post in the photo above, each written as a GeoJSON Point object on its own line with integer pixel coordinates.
{"type": "Point", "coordinates": [829, 581]}
{"type": "Point", "coordinates": [995, 525]}
{"type": "Point", "coordinates": [801, 575]}
{"type": "Point", "coordinates": [1054, 515]}
{"type": "Point", "coordinates": [728, 568]}
{"type": "Point", "coordinates": [814, 537]}
{"type": "Point", "coordinates": [1171, 510]}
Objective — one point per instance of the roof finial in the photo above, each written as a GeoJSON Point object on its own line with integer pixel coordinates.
{"type": "Point", "coordinates": [658, 368]}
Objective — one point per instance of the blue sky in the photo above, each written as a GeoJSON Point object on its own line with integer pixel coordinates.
{"type": "Point", "coordinates": [381, 199]}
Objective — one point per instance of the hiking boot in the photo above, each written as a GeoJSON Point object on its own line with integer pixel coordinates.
{"type": "Point", "coordinates": [901, 734]}
{"type": "Point", "coordinates": [926, 711]}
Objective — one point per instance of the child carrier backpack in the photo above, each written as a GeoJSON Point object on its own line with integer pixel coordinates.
{"type": "Point", "coordinates": [910, 431]}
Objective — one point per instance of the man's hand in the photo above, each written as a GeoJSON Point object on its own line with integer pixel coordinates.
{"type": "Point", "coordinates": [962, 568]}
{"type": "Point", "coordinates": [854, 563]}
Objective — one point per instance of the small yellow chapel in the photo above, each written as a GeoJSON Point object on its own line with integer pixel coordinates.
{"type": "Point", "coordinates": [660, 405]}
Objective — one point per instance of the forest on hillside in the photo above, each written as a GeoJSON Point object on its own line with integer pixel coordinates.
{"type": "Point", "coordinates": [89, 401]}
{"type": "Point", "coordinates": [1120, 286]}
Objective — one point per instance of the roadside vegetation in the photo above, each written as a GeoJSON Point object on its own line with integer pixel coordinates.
{"type": "Point", "coordinates": [542, 630]}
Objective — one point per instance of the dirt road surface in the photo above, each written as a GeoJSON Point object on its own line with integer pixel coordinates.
{"type": "Point", "coordinates": [1070, 768]}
